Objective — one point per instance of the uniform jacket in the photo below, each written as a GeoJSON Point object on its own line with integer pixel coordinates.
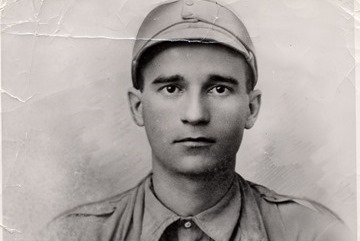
{"type": "Point", "coordinates": [264, 216]}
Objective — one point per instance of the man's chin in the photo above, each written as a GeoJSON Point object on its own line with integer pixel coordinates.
{"type": "Point", "coordinates": [194, 166]}
{"type": "Point", "coordinates": [201, 169]}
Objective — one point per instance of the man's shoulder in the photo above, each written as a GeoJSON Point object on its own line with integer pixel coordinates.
{"type": "Point", "coordinates": [89, 221]}
{"type": "Point", "coordinates": [103, 207]}
{"type": "Point", "coordinates": [106, 206]}
{"type": "Point", "coordinates": [298, 218]}
{"type": "Point", "coordinates": [296, 203]}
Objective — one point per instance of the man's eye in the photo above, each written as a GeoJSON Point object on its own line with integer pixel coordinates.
{"type": "Point", "coordinates": [220, 90]}
{"type": "Point", "coordinates": [170, 89]}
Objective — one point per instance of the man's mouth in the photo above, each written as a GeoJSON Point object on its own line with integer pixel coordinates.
{"type": "Point", "coordinates": [196, 141]}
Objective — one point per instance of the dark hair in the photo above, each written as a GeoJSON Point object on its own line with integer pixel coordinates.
{"type": "Point", "coordinates": [152, 51]}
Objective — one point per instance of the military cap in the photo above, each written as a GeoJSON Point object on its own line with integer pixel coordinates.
{"type": "Point", "coordinates": [193, 21]}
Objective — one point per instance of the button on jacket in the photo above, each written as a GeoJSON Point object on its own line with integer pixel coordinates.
{"type": "Point", "coordinates": [248, 212]}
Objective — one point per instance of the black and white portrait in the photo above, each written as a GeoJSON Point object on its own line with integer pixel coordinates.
{"type": "Point", "coordinates": [178, 120]}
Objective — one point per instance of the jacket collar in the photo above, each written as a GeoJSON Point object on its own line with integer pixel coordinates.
{"type": "Point", "coordinates": [217, 222]}
{"type": "Point", "coordinates": [235, 217]}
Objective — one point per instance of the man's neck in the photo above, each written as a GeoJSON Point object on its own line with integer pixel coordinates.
{"type": "Point", "coordinates": [189, 195]}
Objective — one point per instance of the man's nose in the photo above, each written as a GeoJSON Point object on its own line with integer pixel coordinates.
{"type": "Point", "coordinates": [195, 111]}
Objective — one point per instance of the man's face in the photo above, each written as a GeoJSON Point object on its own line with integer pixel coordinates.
{"type": "Point", "coordinates": [195, 106]}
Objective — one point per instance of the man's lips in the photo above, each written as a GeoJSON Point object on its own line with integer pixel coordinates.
{"type": "Point", "coordinates": [196, 141]}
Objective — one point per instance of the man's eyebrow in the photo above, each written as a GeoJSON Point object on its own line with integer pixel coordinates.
{"type": "Point", "coordinates": [223, 79]}
{"type": "Point", "coordinates": [168, 79]}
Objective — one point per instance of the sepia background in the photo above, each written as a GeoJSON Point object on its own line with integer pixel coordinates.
{"type": "Point", "coordinates": [67, 134]}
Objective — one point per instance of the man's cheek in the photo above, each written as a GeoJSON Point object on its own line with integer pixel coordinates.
{"type": "Point", "coordinates": [232, 124]}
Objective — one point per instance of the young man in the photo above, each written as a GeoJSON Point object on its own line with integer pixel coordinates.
{"type": "Point", "coordinates": [194, 73]}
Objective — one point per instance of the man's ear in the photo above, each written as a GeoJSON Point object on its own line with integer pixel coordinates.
{"type": "Point", "coordinates": [254, 106]}
{"type": "Point", "coordinates": [135, 102]}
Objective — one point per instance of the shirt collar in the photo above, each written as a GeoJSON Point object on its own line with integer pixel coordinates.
{"type": "Point", "coordinates": [218, 222]}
